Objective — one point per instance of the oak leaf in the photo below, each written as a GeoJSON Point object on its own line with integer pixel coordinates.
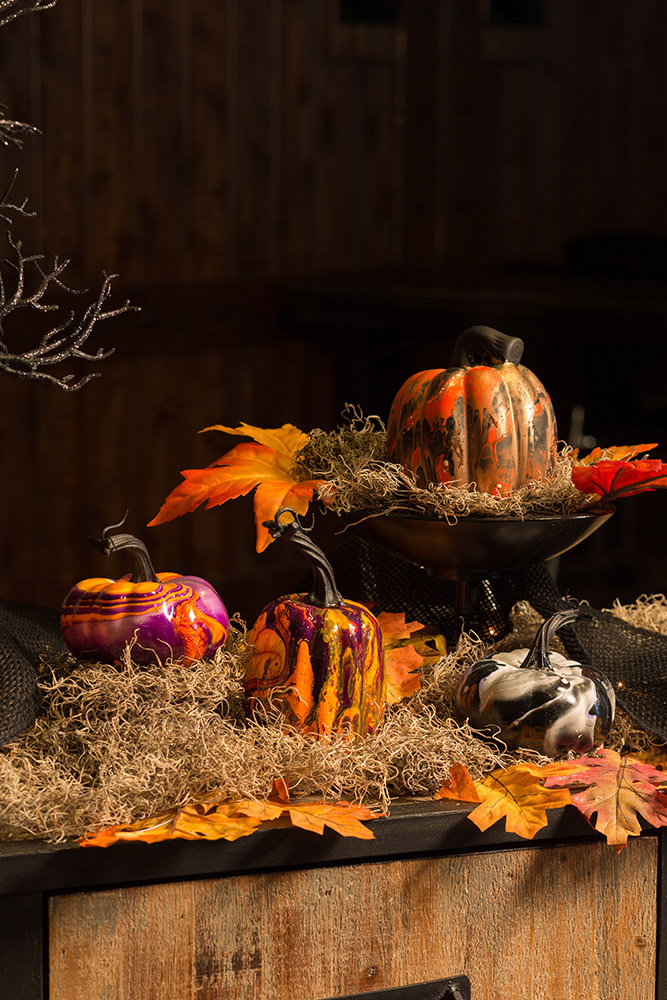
{"type": "Point", "coordinates": [612, 479]}
{"type": "Point", "coordinates": [231, 819]}
{"type": "Point", "coordinates": [266, 465]}
{"type": "Point", "coordinates": [459, 786]}
{"type": "Point", "coordinates": [402, 662]}
{"type": "Point", "coordinates": [517, 795]}
{"type": "Point", "coordinates": [617, 790]}
{"type": "Point", "coordinates": [343, 817]}
{"type": "Point", "coordinates": [394, 627]}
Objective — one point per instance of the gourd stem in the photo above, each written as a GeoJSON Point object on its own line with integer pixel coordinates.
{"type": "Point", "coordinates": [143, 571]}
{"type": "Point", "coordinates": [538, 654]}
{"type": "Point", "coordinates": [479, 342]}
{"type": "Point", "coordinates": [324, 593]}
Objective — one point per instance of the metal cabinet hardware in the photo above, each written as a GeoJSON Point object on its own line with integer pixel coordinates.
{"type": "Point", "coordinates": [452, 988]}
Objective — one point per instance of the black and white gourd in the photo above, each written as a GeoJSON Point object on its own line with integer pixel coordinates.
{"type": "Point", "coordinates": [538, 699]}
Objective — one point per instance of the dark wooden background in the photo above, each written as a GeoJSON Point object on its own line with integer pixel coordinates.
{"type": "Point", "coordinates": [252, 169]}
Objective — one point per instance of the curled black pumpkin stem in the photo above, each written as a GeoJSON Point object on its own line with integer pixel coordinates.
{"type": "Point", "coordinates": [483, 342]}
{"type": "Point", "coordinates": [538, 654]}
{"type": "Point", "coordinates": [324, 593]}
{"type": "Point", "coordinates": [142, 571]}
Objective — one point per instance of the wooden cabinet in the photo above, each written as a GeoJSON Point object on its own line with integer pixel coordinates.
{"type": "Point", "coordinates": [284, 914]}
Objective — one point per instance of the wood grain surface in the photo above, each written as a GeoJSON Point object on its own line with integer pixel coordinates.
{"type": "Point", "coordinates": [530, 924]}
{"type": "Point", "coordinates": [184, 138]}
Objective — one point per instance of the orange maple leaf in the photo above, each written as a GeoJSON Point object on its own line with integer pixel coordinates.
{"type": "Point", "coordinates": [343, 817]}
{"type": "Point", "coordinates": [402, 666]}
{"type": "Point", "coordinates": [402, 662]}
{"type": "Point", "coordinates": [617, 790]}
{"type": "Point", "coordinates": [516, 793]}
{"type": "Point", "coordinates": [394, 627]}
{"type": "Point", "coordinates": [231, 819]}
{"type": "Point", "coordinates": [615, 453]}
{"type": "Point", "coordinates": [267, 465]}
{"type": "Point", "coordinates": [459, 786]}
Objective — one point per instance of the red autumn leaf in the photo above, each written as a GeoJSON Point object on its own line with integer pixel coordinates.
{"type": "Point", "coordinates": [459, 786]}
{"type": "Point", "coordinates": [611, 479]}
{"type": "Point", "coordinates": [615, 453]}
{"type": "Point", "coordinates": [617, 790]}
{"type": "Point", "coordinates": [266, 465]}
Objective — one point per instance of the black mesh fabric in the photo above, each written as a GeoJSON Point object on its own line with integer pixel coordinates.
{"type": "Point", "coordinates": [634, 659]}
{"type": "Point", "coordinates": [27, 632]}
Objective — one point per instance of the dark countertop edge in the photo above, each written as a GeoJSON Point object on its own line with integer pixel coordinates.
{"type": "Point", "coordinates": [413, 829]}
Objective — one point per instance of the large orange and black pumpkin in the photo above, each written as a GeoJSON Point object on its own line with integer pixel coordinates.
{"type": "Point", "coordinates": [485, 420]}
{"type": "Point", "coordinates": [318, 659]}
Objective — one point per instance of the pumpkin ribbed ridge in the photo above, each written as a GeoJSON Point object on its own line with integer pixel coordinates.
{"type": "Point", "coordinates": [491, 425]}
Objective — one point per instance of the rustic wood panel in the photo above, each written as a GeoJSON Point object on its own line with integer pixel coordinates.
{"type": "Point", "coordinates": [183, 138]}
{"type": "Point", "coordinates": [547, 924]}
{"type": "Point", "coordinates": [66, 167]}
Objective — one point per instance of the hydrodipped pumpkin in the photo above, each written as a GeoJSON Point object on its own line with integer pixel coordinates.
{"type": "Point", "coordinates": [164, 615]}
{"type": "Point", "coordinates": [317, 659]}
{"type": "Point", "coordinates": [538, 699]}
{"type": "Point", "coordinates": [485, 420]}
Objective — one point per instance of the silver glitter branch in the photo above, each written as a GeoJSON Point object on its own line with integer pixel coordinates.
{"type": "Point", "coordinates": [29, 284]}
{"type": "Point", "coordinates": [11, 132]}
{"type": "Point", "coordinates": [10, 9]}
{"type": "Point", "coordinates": [26, 279]}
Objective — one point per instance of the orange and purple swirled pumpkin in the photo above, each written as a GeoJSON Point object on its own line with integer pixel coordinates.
{"type": "Point", "coordinates": [317, 660]}
{"type": "Point", "coordinates": [163, 615]}
{"type": "Point", "coordinates": [491, 423]}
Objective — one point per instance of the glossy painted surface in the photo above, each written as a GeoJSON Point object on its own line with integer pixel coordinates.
{"type": "Point", "coordinates": [179, 617]}
{"type": "Point", "coordinates": [492, 425]}
{"type": "Point", "coordinates": [322, 667]}
{"type": "Point", "coordinates": [567, 707]}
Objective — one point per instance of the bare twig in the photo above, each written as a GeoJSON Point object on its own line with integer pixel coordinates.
{"type": "Point", "coordinates": [24, 285]}
{"type": "Point", "coordinates": [7, 207]}
{"type": "Point", "coordinates": [61, 342]}
{"type": "Point", "coordinates": [11, 9]}
{"type": "Point", "coordinates": [11, 131]}
{"type": "Point", "coordinates": [25, 279]}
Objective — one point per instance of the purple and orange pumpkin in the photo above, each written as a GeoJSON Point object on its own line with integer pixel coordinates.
{"type": "Point", "coordinates": [317, 660]}
{"type": "Point", "coordinates": [485, 420]}
{"type": "Point", "coordinates": [164, 615]}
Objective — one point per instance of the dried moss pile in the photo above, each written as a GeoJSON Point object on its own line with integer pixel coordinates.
{"type": "Point", "coordinates": [359, 478]}
{"type": "Point", "coordinates": [116, 744]}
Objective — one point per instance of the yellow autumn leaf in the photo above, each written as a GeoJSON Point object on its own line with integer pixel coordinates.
{"type": "Point", "coordinates": [343, 817]}
{"type": "Point", "coordinates": [286, 440]}
{"type": "Point", "coordinates": [517, 795]}
{"type": "Point", "coordinates": [234, 818]}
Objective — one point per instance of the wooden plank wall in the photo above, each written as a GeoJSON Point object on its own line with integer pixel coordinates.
{"type": "Point", "coordinates": [210, 151]}
{"type": "Point", "coordinates": [185, 139]}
